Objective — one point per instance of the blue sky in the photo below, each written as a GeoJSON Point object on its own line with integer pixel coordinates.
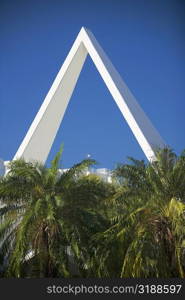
{"type": "Point", "coordinates": [145, 41]}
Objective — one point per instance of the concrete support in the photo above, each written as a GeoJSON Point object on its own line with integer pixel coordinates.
{"type": "Point", "coordinates": [39, 139]}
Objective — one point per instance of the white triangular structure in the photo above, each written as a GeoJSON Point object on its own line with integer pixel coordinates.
{"type": "Point", "coordinates": [41, 134]}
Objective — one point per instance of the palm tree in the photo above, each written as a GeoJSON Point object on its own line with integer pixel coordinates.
{"type": "Point", "coordinates": [147, 235]}
{"type": "Point", "coordinates": [52, 223]}
{"type": "Point", "coordinates": [31, 223]}
{"type": "Point", "coordinates": [85, 203]}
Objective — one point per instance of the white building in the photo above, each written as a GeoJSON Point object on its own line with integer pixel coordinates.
{"type": "Point", "coordinates": [104, 173]}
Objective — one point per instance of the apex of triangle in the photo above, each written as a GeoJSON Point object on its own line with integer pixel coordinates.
{"type": "Point", "coordinates": [84, 29]}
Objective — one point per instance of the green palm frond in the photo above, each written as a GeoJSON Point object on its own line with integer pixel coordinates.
{"type": "Point", "coordinates": [56, 161]}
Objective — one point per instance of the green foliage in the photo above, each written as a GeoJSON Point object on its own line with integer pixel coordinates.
{"type": "Point", "coordinates": [147, 235]}
{"type": "Point", "coordinates": [55, 224]}
{"type": "Point", "coordinates": [44, 216]}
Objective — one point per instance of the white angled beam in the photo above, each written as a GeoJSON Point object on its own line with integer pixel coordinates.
{"type": "Point", "coordinates": [41, 134]}
{"type": "Point", "coordinates": [39, 139]}
{"type": "Point", "coordinates": [143, 130]}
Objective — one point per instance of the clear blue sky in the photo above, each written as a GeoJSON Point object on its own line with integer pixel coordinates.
{"type": "Point", "coordinates": [145, 41]}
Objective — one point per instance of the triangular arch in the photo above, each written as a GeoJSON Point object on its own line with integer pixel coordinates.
{"type": "Point", "coordinates": [41, 134]}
